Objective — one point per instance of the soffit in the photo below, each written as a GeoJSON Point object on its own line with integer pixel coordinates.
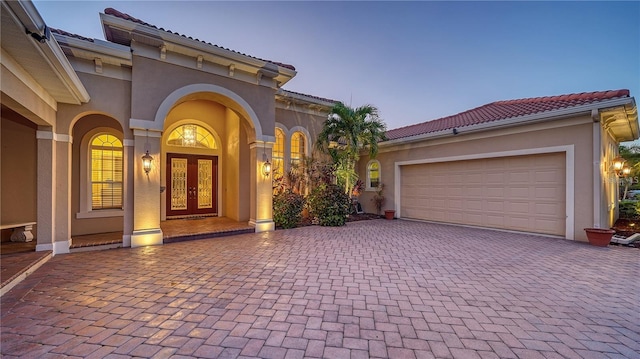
{"type": "Point", "coordinates": [37, 59]}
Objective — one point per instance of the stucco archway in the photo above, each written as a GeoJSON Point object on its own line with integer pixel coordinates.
{"type": "Point", "coordinates": [253, 198]}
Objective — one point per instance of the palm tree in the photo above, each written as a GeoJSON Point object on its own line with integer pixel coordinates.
{"type": "Point", "coordinates": [345, 133]}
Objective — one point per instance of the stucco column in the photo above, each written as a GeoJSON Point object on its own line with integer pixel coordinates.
{"type": "Point", "coordinates": [146, 190]}
{"type": "Point", "coordinates": [261, 187]}
{"type": "Point", "coordinates": [54, 192]}
{"type": "Point", "coordinates": [127, 202]}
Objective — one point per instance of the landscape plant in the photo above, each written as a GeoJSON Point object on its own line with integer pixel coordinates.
{"type": "Point", "coordinates": [346, 132]}
{"type": "Point", "coordinates": [287, 209]}
{"type": "Point", "coordinates": [329, 205]}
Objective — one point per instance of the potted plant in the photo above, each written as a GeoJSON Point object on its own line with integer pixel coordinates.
{"type": "Point", "coordinates": [600, 237]}
{"type": "Point", "coordinates": [378, 198]}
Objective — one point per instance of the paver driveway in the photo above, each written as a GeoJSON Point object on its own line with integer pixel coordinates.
{"type": "Point", "coordinates": [371, 289]}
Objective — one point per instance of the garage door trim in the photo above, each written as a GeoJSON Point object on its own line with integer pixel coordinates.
{"type": "Point", "coordinates": [568, 150]}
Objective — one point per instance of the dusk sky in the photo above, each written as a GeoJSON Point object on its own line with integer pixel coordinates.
{"type": "Point", "coordinates": [415, 61]}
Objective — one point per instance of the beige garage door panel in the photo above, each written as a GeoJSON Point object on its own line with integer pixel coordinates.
{"type": "Point", "coordinates": [525, 193]}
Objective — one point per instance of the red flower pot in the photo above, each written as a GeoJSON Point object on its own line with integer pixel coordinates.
{"type": "Point", "coordinates": [389, 214]}
{"type": "Point", "coordinates": [599, 236]}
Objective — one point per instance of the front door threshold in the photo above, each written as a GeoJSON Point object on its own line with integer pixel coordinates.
{"type": "Point", "coordinates": [216, 234]}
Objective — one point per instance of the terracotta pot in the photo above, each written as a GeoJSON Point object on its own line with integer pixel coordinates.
{"type": "Point", "coordinates": [600, 237]}
{"type": "Point", "coordinates": [389, 214]}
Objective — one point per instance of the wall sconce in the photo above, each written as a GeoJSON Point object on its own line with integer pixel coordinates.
{"type": "Point", "coordinates": [266, 166]}
{"type": "Point", "coordinates": [620, 167]}
{"type": "Point", "coordinates": [146, 162]}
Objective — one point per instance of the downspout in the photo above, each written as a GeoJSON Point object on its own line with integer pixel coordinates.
{"type": "Point", "coordinates": [597, 174]}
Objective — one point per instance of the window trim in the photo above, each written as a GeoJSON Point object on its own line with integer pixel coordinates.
{"type": "Point", "coordinates": [85, 209]}
{"type": "Point", "coordinates": [368, 186]}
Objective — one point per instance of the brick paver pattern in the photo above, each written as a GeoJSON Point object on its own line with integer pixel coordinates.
{"type": "Point", "coordinates": [372, 289]}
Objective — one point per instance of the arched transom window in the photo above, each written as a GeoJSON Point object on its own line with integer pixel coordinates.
{"type": "Point", "coordinates": [106, 172]}
{"type": "Point", "coordinates": [298, 144]}
{"type": "Point", "coordinates": [278, 154]}
{"type": "Point", "coordinates": [192, 135]}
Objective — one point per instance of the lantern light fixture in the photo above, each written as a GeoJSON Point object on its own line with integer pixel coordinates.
{"type": "Point", "coordinates": [146, 162]}
{"type": "Point", "coordinates": [266, 165]}
{"type": "Point", "coordinates": [620, 167]}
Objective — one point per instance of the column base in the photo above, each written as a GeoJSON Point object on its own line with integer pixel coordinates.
{"type": "Point", "coordinates": [58, 247]}
{"type": "Point", "coordinates": [263, 225]}
{"type": "Point", "coordinates": [126, 240]}
{"type": "Point", "coordinates": [146, 237]}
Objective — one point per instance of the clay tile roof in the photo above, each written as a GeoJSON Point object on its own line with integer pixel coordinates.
{"type": "Point", "coordinates": [116, 13]}
{"type": "Point", "coordinates": [311, 96]}
{"type": "Point", "coordinates": [62, 32]}
{"type": "Point", "coordinates": [501, 110]}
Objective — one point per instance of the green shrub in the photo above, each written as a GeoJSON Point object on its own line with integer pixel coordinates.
{"type": "Point", "coordinates": [329, 205]}
{"type": "Point", "coordinates": [287, 209]}
{"type": "Point", "coordinates": [629, 209]}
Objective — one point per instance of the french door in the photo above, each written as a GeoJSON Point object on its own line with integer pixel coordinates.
{"type": "Point", "coordinates": [191, 185]}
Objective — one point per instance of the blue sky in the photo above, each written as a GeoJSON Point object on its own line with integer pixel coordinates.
{"type": "Point", "coordinates": [415, 61]}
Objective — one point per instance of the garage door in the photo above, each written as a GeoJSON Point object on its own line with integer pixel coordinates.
{"type": "Point", "coordinates": [523, 193]}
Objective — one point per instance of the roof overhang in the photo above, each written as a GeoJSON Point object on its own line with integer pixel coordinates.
{"type": "Point", "coordinates": [621, 114]}
{"type": "Point", "coordinates": [621, 120]}
{"type": "Point", "coordinates": [107, 52]}
{"type": "Point", "coordinates": [43, 60]}
{"type": "Point", "coordinates": [123, 31]}
{"type": "Point", "coordinates": [288, 97]}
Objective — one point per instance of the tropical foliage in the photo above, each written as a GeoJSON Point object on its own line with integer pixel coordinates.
{"type": "Point", "coordinates": [287, 209]}
{"type": "Point", "coordinates": [631, 154]}
{"type": "Point", "coordinates": [346, 132]}
{"type": "Point", "coordinates": [329, 205]}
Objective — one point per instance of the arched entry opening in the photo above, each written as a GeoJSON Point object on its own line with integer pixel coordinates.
{"type": "Point", "coordinates": [191, 152]}
{"type": "Point", "coordinates": [98, 176]}
{"type": "Point", "coordinates": [208, 148]}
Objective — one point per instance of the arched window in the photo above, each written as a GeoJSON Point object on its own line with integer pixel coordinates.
{"type": "Point", "coordinates": [298, 145]}
{"type": "Point", "coordinates": [278, 154]}
{"type": "Point", "coordinates": [192, 135]}
{"type": "Point", "coordinates": [373, 174]}
{"type": "Point", "coordinates": [106, 172]}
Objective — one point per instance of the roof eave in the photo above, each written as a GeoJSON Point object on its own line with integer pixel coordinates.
{"type": "Point", "coordinates": [528, 119]}
{"type": "Point", "coordinates": [28, 16]}
{"type": "Point", "coordinates": [283, 76]}
{"type": "Point", "coordinates": [284, 95]}
{"type": "Point", "coordinates": [117, 53]}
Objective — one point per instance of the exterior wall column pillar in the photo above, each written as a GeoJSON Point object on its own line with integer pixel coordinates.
{"type": "Point", "coordinates": [127, 200]}
{"type": "Point", "coordinates": [146, 189]}
{"type": "Point", "coordinates": [261, 187]}
{"type": "Point", "coordinates": [54, 192]}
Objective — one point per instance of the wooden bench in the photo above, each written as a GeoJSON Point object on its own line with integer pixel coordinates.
{"type": "Point", "coordinates": [21, 231]}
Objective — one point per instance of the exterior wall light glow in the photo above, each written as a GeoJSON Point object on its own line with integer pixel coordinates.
{"type": "Point", "coordinates": [266, 166]}
{"type": "Point", "coordinates": [146, 162]}
{"type": "Point", "coordinates": [620, 167]}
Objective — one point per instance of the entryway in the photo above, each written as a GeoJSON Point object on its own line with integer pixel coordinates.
{"type": "Point", "coordinates": [191, 185]}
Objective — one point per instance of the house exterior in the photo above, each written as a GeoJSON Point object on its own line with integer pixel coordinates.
{"type": "Point", "coordinates": [541, 165]}
{"type": "Point", "coordinates": [118, 135]}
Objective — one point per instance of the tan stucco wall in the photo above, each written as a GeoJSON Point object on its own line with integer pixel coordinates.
{"type": "Point", "coordinates": [291, 118]}
{"type": "Point", "coordinates": [576, 131]}
{"type": "Point", "coordinates": [20, 98]}
{"type": "Point", "coordinates": [609, 181]}
{"type": "Point", "coordinates": [89, 225]}
{"type": "Point", "coordinates": [153, 81]}
{"type": "Point", "coordinates": [18, 161]}
{"type": "Point", "coordinates": [109, 96]}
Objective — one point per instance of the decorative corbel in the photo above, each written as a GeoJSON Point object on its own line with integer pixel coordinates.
{"type": "Point", "coordinates": [232, 69]}
{"type": "Point", "coordinates": [98, 64]}
{"type": "Point", "coordinates": [258, 77]}
{"type": "Point", "coordinates": [199, 61]}
{"type": "Point", "coordinates": [163, 52]}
